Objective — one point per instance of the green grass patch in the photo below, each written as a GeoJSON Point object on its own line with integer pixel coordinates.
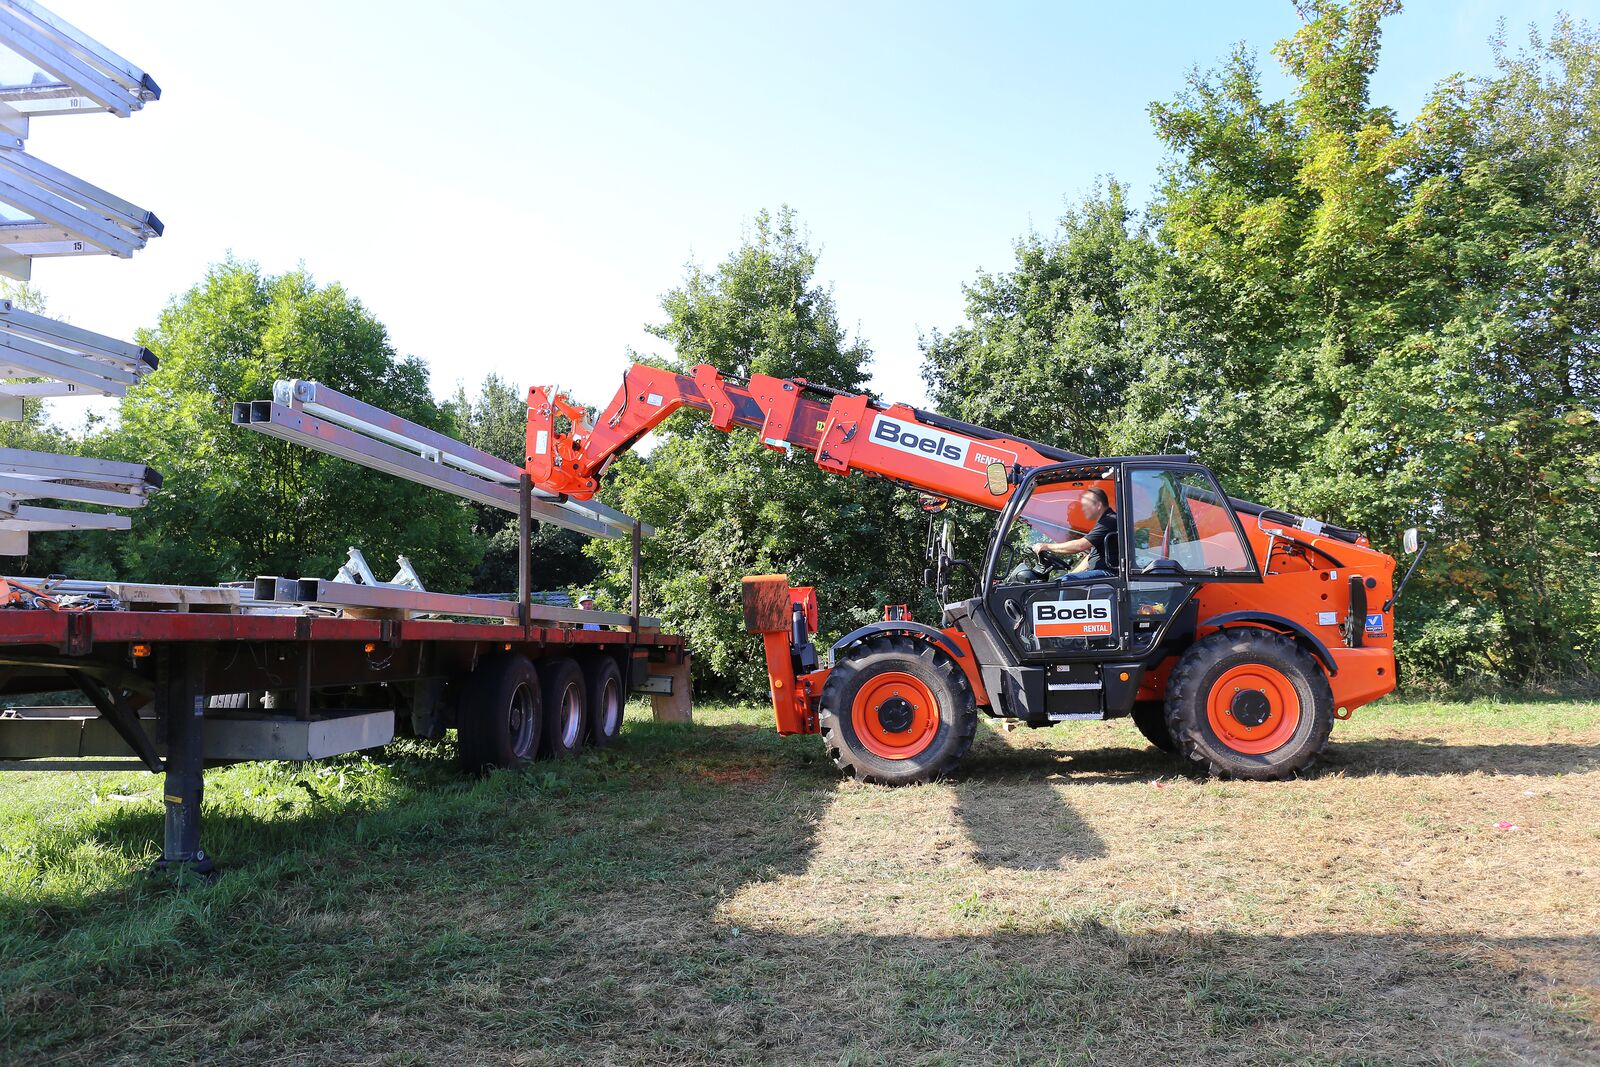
{"type": "Point", "coordinates": [716, 894]}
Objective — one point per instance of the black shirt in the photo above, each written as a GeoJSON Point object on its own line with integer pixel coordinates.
{"type": "Point", "coordinates": [1103, 543]}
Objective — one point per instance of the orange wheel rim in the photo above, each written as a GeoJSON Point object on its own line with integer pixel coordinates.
{"type": "Point", "coordinates": [1253, 709]}
{"type": "Point", "coordinates": [894, 715]}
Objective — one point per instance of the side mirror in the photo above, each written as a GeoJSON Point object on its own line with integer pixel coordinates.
{"type": "Point", "coordinates": [933, 503]}
{"type": "Point", "coordinates": [1141, 537]}
{"type": "Point", "coordinates": [998, 481]}
{"type": "Point", "coordinates": [1409, 540]}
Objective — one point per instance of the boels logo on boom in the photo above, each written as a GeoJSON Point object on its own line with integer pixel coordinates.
{"type": "Point", "coordinates": [1072, 618]}
{"type": "Point", "coordinates": [945, 447]}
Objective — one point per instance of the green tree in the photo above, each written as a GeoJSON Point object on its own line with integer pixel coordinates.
{"type": "Point", "coordinates": [236, 504]}
{"type": "Point", "coordinates": [1373, 321]}
{"type": "Point", "coordinates": [1051, 347]}
{"type": "Point", "coordinates": [726, 506]}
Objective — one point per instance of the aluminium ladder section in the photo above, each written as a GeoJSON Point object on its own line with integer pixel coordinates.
{"type": "Point", "coordinates": [317, 417]}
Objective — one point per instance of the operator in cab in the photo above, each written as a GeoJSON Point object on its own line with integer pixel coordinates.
{"type": "Point", "coordinates": [1100, 542]}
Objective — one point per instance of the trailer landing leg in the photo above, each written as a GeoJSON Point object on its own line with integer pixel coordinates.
{"type": "Point", "coordinates": [180, 707]}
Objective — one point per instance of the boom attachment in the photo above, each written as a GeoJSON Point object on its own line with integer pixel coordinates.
{"type": "Point", "coordinates": [844, 432]}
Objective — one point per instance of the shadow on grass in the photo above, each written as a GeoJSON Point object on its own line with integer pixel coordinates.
{"type": "Point", "coordinates": [570, 913]}
{"type": "Point", "coordinates": [1425, 757]}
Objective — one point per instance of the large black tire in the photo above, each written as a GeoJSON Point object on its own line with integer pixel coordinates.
{"type": "Point", "coordinates": [1249, 703]}
{"type": "Point", "coordinates": [566, 709]}
{"type": "Point", "coordinates": [897, 712]}
{"type": "Point", "coordinates": [501, 714]}
{"type": "Point", "coordinates": [1150, 716]}
{"type": "Point", "coordinates": [607, 697]}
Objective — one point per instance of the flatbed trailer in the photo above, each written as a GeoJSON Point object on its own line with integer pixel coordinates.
{"type": "Point", "coordinates": [177, 692]}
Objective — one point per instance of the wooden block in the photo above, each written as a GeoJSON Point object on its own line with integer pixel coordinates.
{"type": "Point", "coordinates": [766, 603]}
{"type": "Point", "coordinates": [676, 706]}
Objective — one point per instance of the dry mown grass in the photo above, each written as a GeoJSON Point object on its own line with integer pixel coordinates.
{"type": "Point", "coordinates": [717, 895]}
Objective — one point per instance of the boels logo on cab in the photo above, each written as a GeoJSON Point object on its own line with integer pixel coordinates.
{"type": "Point", "coordinates": [1072, 618]}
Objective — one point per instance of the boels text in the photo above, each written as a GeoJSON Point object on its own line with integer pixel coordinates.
{"type": "Point", "coordinates": [1071, 618]}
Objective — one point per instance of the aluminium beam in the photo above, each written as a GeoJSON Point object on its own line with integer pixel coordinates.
{"type": "Point", "coordinates": [298, 427]}
{"type": "Point", "coordinates": [325, 592]}
{"type": "Point", "coordinates": [78, 468]}
{"type": "Point", "coordinates": [21, 488]}
{"type": "Point", "coordinates": [330, 405]}
{"type": "Point", "coordinates": [82, 66]}
{"type": "Point", "coordinates": [15, 516]}
{"type": "Point", "coordinates": [97, 221]}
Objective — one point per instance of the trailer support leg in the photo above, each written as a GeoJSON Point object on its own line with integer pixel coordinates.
{"type": "Point", "coordinates": [181, 705]}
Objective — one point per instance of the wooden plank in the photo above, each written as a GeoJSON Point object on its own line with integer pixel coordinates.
{"type": "Point", "coordinates": [677, 705]}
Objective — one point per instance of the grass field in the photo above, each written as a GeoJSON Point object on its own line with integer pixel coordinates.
{"type": "Point", "coordinates": [714, 894]}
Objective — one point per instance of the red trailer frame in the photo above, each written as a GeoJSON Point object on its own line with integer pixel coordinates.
{"type": "Point", "coordinates": [151, 675]}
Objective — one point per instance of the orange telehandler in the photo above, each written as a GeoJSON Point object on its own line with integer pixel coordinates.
{"type": "Point", "coordinates": [1232, 643]}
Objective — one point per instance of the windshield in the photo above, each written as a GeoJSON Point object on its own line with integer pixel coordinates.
{"type": "Point", "coordinates": [1054, 513]}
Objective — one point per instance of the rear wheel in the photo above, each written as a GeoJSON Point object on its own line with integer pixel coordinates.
{"type": "Point", "coordinates": [603, 679]}
{"type": "Point", "coordinates": [500, 715]}
{"type": "Point", "coordinates": [1249, 703]}
{"type": "Point", "coordinates": [1150, 716]}
{"type": "Point", "coordinates": [897, 711]}
{"type": "Point", "coordinates": [565, 709]}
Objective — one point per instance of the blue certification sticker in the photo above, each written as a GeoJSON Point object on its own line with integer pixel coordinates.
{"type": "Point", "coordinates": [1375, 624]}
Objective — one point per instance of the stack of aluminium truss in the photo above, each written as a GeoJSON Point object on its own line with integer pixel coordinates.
{"type": "Point", "coordinates": [47, 68]}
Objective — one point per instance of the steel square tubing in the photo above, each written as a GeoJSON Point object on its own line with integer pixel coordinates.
{"type": "Point", "coordinates": [343, 410]}
{"type": "Point", "coordinates": [276, 420]}
{"type": "Point", "coordinates": [335, 407]}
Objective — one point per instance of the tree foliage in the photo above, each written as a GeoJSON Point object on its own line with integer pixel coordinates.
{"type": "Point", "coordinates": [1377, 322]}
{"type": "Point", "coordinates": [726, 506]}
{"type": "Point", "coordinates": [236, 504]}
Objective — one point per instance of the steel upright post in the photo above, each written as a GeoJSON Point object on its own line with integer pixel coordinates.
{"type": "Point", "coordinates": [636, 535]}
{"type": "Point", "coordinates": [181, 705]}
{"type": "Point", "coordinates": [524, 550]}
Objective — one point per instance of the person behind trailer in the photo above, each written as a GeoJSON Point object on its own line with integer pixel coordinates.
{"type": "Point", "coordinates": [586, 602]}
{"type": "Point", "coordinates": [1100, 542]}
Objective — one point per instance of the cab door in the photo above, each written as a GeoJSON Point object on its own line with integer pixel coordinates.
{"type": "Point", "coordinates": [1045, 614]}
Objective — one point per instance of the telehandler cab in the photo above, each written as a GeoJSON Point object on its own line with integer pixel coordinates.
{"type": "Point", "coordinates": [1234, 635]}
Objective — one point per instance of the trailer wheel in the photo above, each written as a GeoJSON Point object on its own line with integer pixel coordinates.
{"type": "Point", "coordinates": [603, 679]}
{"type": "Point", "coordinates": [565, 709]}
{"type": "Point", "coordinates": [1249, 703]}
{"type": "Point", "coordinates": [897, 712]}
{"type": "Point", "coordinates": [500, 716]}
{"type": "Point", "coordinates": [1150, 716]}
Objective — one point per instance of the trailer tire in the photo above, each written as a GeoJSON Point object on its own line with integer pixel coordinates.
{"type": "Point", "coordinates": [1150, 716]}
{"type": "Point", "coordinates": [1249, 703]}
{"type": "Point", "coordinates": [603, 679]}
{"type": "Point", "coordinates": [896, 712]}
{"type": "Point", "coordinates": [566, 709]}
{"type": "Point", "coordinates": [501, 714]}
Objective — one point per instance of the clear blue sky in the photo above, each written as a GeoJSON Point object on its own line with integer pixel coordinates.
{"type": "Point", "coordinates": [510, 187]}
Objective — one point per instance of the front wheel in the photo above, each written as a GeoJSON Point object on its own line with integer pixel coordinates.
{"type": "Point", "coordinates": [897, 712]}
{"type": "Point", "coordinates": [1249, 703]}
